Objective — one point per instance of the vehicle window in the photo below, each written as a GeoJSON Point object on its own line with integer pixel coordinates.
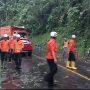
{"type": "Point", "coordinates": [22, 34]}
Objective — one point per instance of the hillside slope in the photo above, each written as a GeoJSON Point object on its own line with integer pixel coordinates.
{"type": "Point", "coordinates": [40, 17]}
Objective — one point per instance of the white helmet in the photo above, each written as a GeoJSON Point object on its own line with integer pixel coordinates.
{"type": "Point", "coordinates": [73, 36]}
{"type": "Point", "coordinates": [5, 35]}
{"type": "Point", "coordinates": [53, 34]}
{"type": "Point", "coordinates": [18, 35]}
{"type": "Point", "coordinates": [14, 35]}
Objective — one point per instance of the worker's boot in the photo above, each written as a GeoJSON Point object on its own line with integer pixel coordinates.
{"type": "Point", "coordinates": [68, 64]}
{"type": "Point", "coordinates": [73, 65]}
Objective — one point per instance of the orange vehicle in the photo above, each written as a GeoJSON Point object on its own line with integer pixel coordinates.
{"type": "Point", "coordinates": [10, 30]}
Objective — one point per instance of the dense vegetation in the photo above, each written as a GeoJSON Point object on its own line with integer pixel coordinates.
{"type": "Point", "coordinates": [67, 17]}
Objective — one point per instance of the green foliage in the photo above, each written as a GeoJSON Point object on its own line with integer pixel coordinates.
{"type": "Point", "coordinates": [41, 16]}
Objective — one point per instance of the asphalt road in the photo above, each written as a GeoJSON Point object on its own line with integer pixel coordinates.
{"type": "Point", "coordinates": [34, 69]}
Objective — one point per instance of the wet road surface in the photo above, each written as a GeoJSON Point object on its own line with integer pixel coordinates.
{"type": "Point", "coordinates": [34, 69]}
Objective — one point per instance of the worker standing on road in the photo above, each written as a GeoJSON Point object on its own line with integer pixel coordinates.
{"type": "Point", "coordinates": [65, 48]}
{"type": "Point", "coordinates": [4, 50]}
{"type": "Point", "coordinates": [71, 60]}
{"type": "Point", "coordinates": [11, 47]}
{"type": "Point", "coordinates": [18, 45]}
{"type": "Point", "coordinates": [0, 46]}
{"type": "Point", "coordinates": [51, 56]}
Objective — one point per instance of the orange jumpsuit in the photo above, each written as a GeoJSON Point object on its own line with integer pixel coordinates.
{"type": "Point", "coordinates": [11, 49]}
{"type": "Point", "coordinates": [4, 51]}
{"type": "Point", "coordinates": [71, 50]}
{"type": "Point", "coordinates": [65, 49]}
{"type": "Point", "coordinates": [5, 45]}
{"type": "Point", "coordinates": [18, 45]}
{"type": "Point", "coordinates": [52, 46]}
{"type": "Point", "coordinates": [72, 45]}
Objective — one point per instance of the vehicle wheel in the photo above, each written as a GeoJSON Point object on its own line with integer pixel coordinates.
{"type": "Point", "coordinates": [30, 53]}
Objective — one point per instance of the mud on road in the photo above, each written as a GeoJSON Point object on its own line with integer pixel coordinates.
{"type": "Point", "coordinates": [32, 73]}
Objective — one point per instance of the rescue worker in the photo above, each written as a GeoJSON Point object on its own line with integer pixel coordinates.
{"type": "Point", "coordinates": [4, 50]}
{"type": "Point", "coordinates": [18, 45]}
{"type": "Point", "coordinates": [71, 60]}
{"type": "Point", "coordinates": [65, 48]}
{"type": "Point", "coordinates": [0, 46]}
{"type": "Point", "coordinates": [11, 47]}
{"type": "Point", "coordinates": [51, 57]}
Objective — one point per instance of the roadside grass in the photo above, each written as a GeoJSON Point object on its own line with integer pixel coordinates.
{"type": "Point", "coordinates": [41, 41]}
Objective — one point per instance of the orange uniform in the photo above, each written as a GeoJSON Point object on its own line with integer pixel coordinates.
{"type": "Point", "coordinates": [0, 44]}
{"type": "Point", "coordinates": [72, 45]}
{"type": "Point", "coordinates": [5, 45]}
{"type": "Point", "coordinates": [11, 44]}
{"type": "Point", "coordinates": [18, 45]}
{"type": "Point", "coordinates": [65, 44]}
{"type": "Point", "coordinates": [52, 46]}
